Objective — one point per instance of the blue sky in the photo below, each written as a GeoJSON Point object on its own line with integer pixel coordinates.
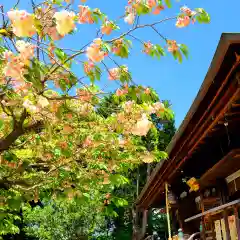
{"type": "Point", "coordinates": [177, 82]}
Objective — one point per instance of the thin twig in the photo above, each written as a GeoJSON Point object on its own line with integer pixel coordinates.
{"type": "Point", "coordinates": [140, 26]}
{"type": "Point", "coordinates": [16, 4]}
{"type": "Point", "coordinates": [159, 33]}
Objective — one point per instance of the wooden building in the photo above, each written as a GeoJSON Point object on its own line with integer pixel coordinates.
{"type": "Point", "coordinates": [206, 148]}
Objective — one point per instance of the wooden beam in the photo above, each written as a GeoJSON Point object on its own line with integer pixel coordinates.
{"type": "Point", "coordinates": [213, 211]}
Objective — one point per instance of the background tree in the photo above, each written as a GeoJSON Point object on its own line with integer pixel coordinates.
{"type": "Point", "coordinates": [156, 140]}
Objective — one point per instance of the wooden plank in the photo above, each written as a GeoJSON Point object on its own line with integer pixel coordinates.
{"type": "Point", "coordinates": [213, 210]}
{"type": "Point", "coordinates": [225, 217]}
{"type": "Point", "coordinates": [237, 221]}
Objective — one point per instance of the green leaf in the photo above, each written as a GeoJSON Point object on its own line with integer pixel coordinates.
{"type": "Point", "coordinates": [179, 56]}
{"type": "Point", "coordinates": [24, 153]}
{"type": "Point", "coordinates": [107, 46]}
{"type": "Point", "coordinates": [2, 215]}
{"type": "Point", "coordinates": [66, 153]}
{"type": "Point", "coordinates": [124, 52]}
{"type": "Point", "coordinates": [184, 49]}
{"type": "Point", "coordinates": [58, 2]}
{"type": "Point", "coordinates": [168, 3]}
{"type": "Point", "coordinates": [95, 18]}
{"type": "Point", "coordinates": [203, 16]}
{"type": "Point", "coordinates": [10, 157]}
{"type": "Point", "coordinates": [60, 54]}
{"type": "Point", "coordinates": [87, 195]}
{"type": "Point", "coordinates": [57, 152]}
{"type": "Point", "coordinates": [1, 124]}
{"type": "Point", "coordinates": [14, 203]}
{"type": "Point", "coordinates": [98, 73]}
{"type": "Point", "coordinates": [118, 180]}
{"type": "Point", "coordinates": [119, 202]}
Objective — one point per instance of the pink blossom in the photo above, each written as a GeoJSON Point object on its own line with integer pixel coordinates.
{"type": "Point", "coordinates": [183, 21]}
{"type": "Point", "coordinates": [94, 52]}
{"type": "Point", "coordinates": [26, 50]}
{"type": "Point", "coordinates": [121, 92]}
{"type": "Point", "coordinates": [53, 33]}
{"type": "Point", "coordinates": [30, 106]}
{"type": "Point", "coordinates": [107, 28]}
{"type": "Point", "coordinates": [85, 15]}
{"type": "Point", "coordinates": [151, 3]}
{"type": "Point", "coordinates": [128, 106]}
{"type": "Point", "coordinates": [147, 47]}
{"type": "Point", "coordinates": [15, 65]}
{"type": "Point", "coordinates": [67, 129]}
{"type": "Point", "coordinates": [88, 67]}
{"type": "Point", "coordinates": [130, 18]}
{"type": "Point", "coordinates": [172, 46]}
{"type": "Point", "coordinates": [158, 9]}
{"type": "Point", "coordinates": [43, 102]}
{"type": "Point", "coordinates": [188, 11]}
{"type": "Point", "coordinates": [22, 22]}
{"type": "Point", "coordinates": [87, 142]}
{"type": "Point", "coordinates": [65, 22]}
{"type": "Point", "coordinates": [115, 73]}
{"type": "Point", "coordinates": [158, 106]}
{"type": "Point", "coordinates": [84, 95]}
{"type": "Point", "coordinates": [147, 91]}
{"type": "Point", "coordinates": [148, 158]}
{"type": "Point", "coordinates": [142, 126]}
{"type": "Point", "coordinates": [130, 15]}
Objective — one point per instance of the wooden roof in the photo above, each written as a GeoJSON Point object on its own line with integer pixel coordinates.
{"type": "Point", "coordinates": [217, 103]}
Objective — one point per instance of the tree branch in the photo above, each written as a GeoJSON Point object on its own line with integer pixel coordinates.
{"type": "Point", "coordinates": [18, 131]}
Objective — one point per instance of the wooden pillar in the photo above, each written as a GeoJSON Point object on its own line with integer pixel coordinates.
{"type": "Point", "coordinates": [237, 221]}
{"type": "Point", "coordinates": [225, 216]}
{"type": "Point", "coordinates": [203, 234]}
{"type": "Point", "coordinates": [167, 209]}
{"type": "Point", "coordinates": [144, 222]}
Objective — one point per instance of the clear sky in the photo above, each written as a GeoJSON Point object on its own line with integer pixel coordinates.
{"type": "Point", "coordinates": [177, 82]}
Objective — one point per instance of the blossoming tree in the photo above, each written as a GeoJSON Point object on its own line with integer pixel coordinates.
{"type": "Point", "coordinates": [53, 141]}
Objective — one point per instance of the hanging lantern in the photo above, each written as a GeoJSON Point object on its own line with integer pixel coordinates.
{"type": "Point", "coordinates": [193, 184]}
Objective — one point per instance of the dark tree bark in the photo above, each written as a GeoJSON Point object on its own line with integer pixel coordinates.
{"type": "Point", "coordinates": [18, 131]}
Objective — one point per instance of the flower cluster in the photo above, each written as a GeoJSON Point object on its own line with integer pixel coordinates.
{"type": "Point", "coordinates": [88, 67]}
{"type": "Point", "coordinates": [137, 5]}
{"type": "Point", "coordinates": [172, 46]}
{"type": "Point", "coordinates": [156, 108]}
{"type": "Point", "coordinates": [115, 73]}
{"type": "Point", "coordinates": [15, 64]}
{"type": "Point", "coordinates": [45, 17]}
{"type": "Point", "coordinates": [65, 22]}
{"type": "Point", "coordinates": [142, 126]}
{"type": "Point", "coordinates": [185, 18]}
{"type": "Point", "coordinates": [122, 91]}
{"type": "Point", "coordinates": [130, 15]}
{"type": "Point", "coordinates": [107, 27]}
{"type": "Point", "coordinates": [94, 51]}
{"type": "Point", "coordinates": [85, 15]}
{"type": "Point", "coordinates": [147, 47]}
{"type": "Point", "coordinates": [22, 22]}
{"type": "Point", "coordinates": [84, 95]}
